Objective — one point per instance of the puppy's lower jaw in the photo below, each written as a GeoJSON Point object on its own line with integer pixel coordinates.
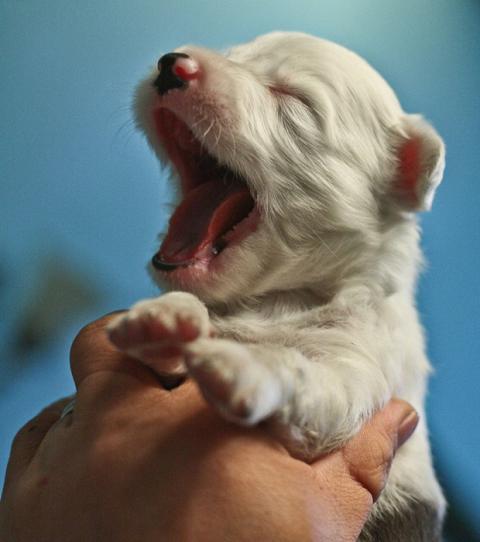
{"type": "Point", "coordinates": [197, 236]}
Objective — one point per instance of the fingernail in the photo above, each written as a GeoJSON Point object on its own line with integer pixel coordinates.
{"type": "Point", "coordinates": [407, 427]}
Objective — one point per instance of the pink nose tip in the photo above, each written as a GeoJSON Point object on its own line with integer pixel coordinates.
{"type": "Point", "coordinates": [186, 68]}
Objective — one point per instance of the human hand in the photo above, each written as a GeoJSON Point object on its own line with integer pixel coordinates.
{"type": "Point", "coordinates": [136, 462]}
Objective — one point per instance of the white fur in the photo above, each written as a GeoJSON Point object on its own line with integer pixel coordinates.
{"type": "Point", "coordinates": [315, 311]}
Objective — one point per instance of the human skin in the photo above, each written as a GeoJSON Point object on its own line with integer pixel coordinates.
{"type": "Point", "coordinates": [135, 462]}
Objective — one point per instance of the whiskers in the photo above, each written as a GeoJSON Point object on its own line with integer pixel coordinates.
{"type": "Point", "coordinates": [123, 125]}
{"type": "Point", "coordinates": [207, 131]}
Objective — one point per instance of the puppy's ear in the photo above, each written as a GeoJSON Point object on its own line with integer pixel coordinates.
{"type": "Point", "coordinates": [420, 156]}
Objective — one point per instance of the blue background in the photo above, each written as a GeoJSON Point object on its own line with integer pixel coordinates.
{"type": "Point", "coordinates": [80, 191]}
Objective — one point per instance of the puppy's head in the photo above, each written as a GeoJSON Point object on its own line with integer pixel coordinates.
{"type": "Point", "coordinates": [294, 162]}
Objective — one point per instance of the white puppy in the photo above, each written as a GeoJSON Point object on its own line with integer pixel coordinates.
{"type": "Point", "coordinates": [295, 248]}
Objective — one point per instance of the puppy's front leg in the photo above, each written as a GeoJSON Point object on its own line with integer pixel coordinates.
{"type": "Point", "coordinates": [238, 379]}
{"type": "Point", "coordinates": [312, 403]}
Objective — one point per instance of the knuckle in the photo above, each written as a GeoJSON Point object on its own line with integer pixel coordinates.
{"type": "Point", "coordinates": [19, 436]}
{"type": "Point", "coordinates": [48, 416]}
{"type": "Point", "coordinates": [25, 436]}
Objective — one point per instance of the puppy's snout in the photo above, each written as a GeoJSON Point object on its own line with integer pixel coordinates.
{"type": "Point", "coordinates": [175, 70]}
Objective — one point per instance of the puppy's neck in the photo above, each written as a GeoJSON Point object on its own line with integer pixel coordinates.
{"type": "Point", "coordinates": [274, 303]}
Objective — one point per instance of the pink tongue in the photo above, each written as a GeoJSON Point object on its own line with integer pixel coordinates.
{"type": "Point", "coordinates": [206, 213]}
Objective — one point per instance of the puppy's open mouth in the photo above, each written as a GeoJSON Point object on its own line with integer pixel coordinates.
{"type": "Point", "coordinates": [217, 208]}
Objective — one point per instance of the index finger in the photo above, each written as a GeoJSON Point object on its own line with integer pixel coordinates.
{"type": "Point", "coordinates": [96, 363]}
{"type": "Point", "coordinates": [92, 352]}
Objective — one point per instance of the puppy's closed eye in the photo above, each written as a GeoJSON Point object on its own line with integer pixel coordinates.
{"type": "Point", "coordinates": [288, 93]}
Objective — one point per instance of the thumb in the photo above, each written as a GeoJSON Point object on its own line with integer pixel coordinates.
{"type": "Point", "coordinates": [105, 377]}
{"type": "Point", "coordinates": [369, 454]}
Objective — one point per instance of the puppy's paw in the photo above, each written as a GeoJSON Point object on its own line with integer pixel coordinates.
{"type": "Point", "coordinates": [157, 330]}
{"type": "Point", "coordinates": [239, 387]}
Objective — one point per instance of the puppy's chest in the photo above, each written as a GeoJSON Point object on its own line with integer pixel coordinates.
{"type": "Point", "coordinates": [291, 330]}
{"type": "Point", "coordinates": [245, 331]}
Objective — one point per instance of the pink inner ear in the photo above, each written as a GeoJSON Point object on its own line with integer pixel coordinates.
{"type": "Point", "coordinates": [410, 167]}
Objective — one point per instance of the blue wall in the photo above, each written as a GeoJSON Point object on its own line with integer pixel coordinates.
{"type": "Point", "coordinates": [79, 185]}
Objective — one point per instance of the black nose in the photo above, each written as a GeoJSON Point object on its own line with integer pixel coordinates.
{"type": "Point", "coordinates": [169, 78]}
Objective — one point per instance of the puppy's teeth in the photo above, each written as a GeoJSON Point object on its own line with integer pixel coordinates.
{"type": "Point", "coordinates": [219, 246]}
